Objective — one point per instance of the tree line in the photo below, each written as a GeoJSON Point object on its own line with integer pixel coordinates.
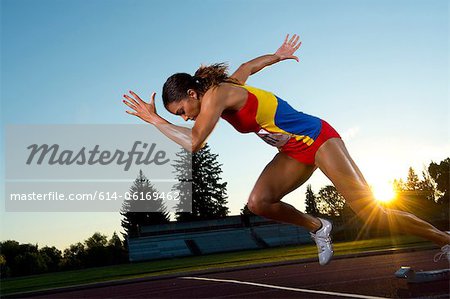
{"type": "Point", "coordinates": [426, 197]}
{"type": "Point", "coordinates": [26, 259]}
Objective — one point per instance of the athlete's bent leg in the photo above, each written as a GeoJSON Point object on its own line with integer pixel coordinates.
{"type": "Point", "coordinates": [281, 176]}
{"type": "Point", "coordinates": [335, 162]}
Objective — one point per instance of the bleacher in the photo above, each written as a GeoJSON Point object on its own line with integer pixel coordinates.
{"type": "Point", "coordinates": [232, 233]}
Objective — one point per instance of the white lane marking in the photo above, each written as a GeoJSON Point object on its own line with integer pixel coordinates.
{"type": "Point", "coordinates": [284, 288]}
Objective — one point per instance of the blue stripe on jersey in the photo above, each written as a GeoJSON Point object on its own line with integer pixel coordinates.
{"type": "Point", "coordinates": [295, 122]}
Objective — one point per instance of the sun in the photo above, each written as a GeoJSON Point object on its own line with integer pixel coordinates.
{"type": "Point", "coordinates": [384, 192]}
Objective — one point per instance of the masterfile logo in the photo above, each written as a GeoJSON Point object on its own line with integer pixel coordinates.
{"type": "Point", "coordinates": [92, 168]}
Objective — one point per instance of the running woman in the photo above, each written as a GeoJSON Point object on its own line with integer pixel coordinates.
{"type": "Point", "coordinates": [304, 143]}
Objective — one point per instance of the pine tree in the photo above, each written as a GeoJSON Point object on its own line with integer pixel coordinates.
{"type": "Point", "coordinates": [138, 213]}
{"type": "Point", "coordinates": [398, 185]}
{"type": "Point", "coordinates": [416, 189]}
{"type": "Point", "coordinates": [311, 202]}
{"type": "Point", "coordinates": [208, 193]}
{"type": "Point", "coordinates": [331, 202]}
{"type": "Point", "coordinates": [183, 171]}
{"type": "Point", "coordinates": [246, 211]}
{"type": "Point", "coordinates": [428, 187]}
{"type": "Point", "coordinates": [412, 181]}
{"type": "Point", "coordinates": [246, 214]}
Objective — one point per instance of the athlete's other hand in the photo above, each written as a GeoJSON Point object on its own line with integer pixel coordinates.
{"type": "Point", "coordinates": [143, 110]}
{"type": "Point", "coordinates": [288, 48]}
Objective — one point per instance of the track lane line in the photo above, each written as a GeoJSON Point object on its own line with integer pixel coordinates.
{"type": "Point", "coordinates": [348, 295]}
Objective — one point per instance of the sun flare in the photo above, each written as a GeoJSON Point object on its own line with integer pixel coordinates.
{"type": "Point", "coordinates": [384, 192]}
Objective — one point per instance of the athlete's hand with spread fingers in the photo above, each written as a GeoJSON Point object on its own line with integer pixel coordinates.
{"type": "Point", "coordinates": [143, 110]}
{"type": "Point", "coordinates": [288, 48]}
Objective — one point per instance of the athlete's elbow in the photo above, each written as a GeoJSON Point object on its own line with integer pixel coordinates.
{"type": "Point", "coordinates": [197, 146]}
{"type": "Point", "coordinates": [195, 149]}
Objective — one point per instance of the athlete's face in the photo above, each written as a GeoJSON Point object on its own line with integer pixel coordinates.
{"type": "Point", "coordinates": [188, 108]}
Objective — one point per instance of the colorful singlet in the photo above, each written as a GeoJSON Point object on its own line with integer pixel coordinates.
{"type": "Point", "coordinates": [274, 120]}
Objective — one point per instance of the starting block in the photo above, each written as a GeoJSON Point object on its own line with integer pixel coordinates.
{"type": "Point", "coordinates": [422, 276]}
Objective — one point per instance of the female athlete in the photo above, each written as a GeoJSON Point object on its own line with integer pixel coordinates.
{"type": "Point", "coordinates": [304, 143]}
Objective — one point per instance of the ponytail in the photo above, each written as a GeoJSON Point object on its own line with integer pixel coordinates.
{"type": "Point", "coordinates": [206, 77]}
{"type": "Point", "coordinates": [212, 75]}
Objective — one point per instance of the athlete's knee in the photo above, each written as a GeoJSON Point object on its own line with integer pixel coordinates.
{"type": "Point", "coordinates": [366, 209]}
{"type": "Point", "coordinates": [359, 197]}
{"type": "Point", "coordinates": [259, 204]}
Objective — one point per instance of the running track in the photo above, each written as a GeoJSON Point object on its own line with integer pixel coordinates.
{"type": "Point", "coordinates": [351, 277]}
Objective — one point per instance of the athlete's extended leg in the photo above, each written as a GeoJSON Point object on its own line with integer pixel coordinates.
{"type": "Point", "coordinates": [335, 162]}
{"type": "Point", "coordinates": [281, 176]}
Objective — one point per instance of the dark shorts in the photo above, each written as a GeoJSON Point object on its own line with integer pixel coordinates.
{"type": "Point", "coordinates": [304, 153]}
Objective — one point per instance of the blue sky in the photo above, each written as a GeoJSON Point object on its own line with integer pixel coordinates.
{"type": "Point", "coordinates": [376, 70]}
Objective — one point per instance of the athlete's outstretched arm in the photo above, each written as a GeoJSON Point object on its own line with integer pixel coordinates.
{"type": "Point", "coordinates": [253, 66]}
{"type": "Point", "coordinates": [147, 112]}
{"type": "Point", "coordinates": [190, 139]}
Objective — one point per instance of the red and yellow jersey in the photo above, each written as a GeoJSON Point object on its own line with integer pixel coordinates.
{"type": "Point", "coordinates": [274, 120]}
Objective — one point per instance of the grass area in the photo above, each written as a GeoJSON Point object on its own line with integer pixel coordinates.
{"type": "Point", "coordinates": [188, 264]}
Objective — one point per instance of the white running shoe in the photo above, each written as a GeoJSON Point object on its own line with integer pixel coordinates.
{"type": "Point", "coordinates": [445, 251]}
{"type": "Point", "coordinates": [323, 242]}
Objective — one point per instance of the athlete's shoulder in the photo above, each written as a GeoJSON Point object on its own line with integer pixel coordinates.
{"type": "Point", "coordinates": [233, 95]}
{"type": "Point", "coordinates": [255, 89]}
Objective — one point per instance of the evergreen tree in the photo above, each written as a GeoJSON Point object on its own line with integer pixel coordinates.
{"type": "Point", "coordinates": [245, 216]}
{"type": "Point", "coordinates": [412, 181]}
{"type": "Point", "coordinates": [183, 170]}
{"type": "Point", "coordinates": [208, 193]}
{"type": "Point", "coordinates": [428, 187]}
{"type": "Point", "coordinates": [138, 213]}
{"type": "Point", "coordinates": [246, 211]}
{"type": "Point", "coordinates": [311, 202]}
{"type": "Point", "coordinates": [417, 196]}
{"type": "Point", "coordinates": [398, 185]}
{"type": "Point", "coordinates": [331, 202]}
{"type": "Point", "coordinates": [416, 188]}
